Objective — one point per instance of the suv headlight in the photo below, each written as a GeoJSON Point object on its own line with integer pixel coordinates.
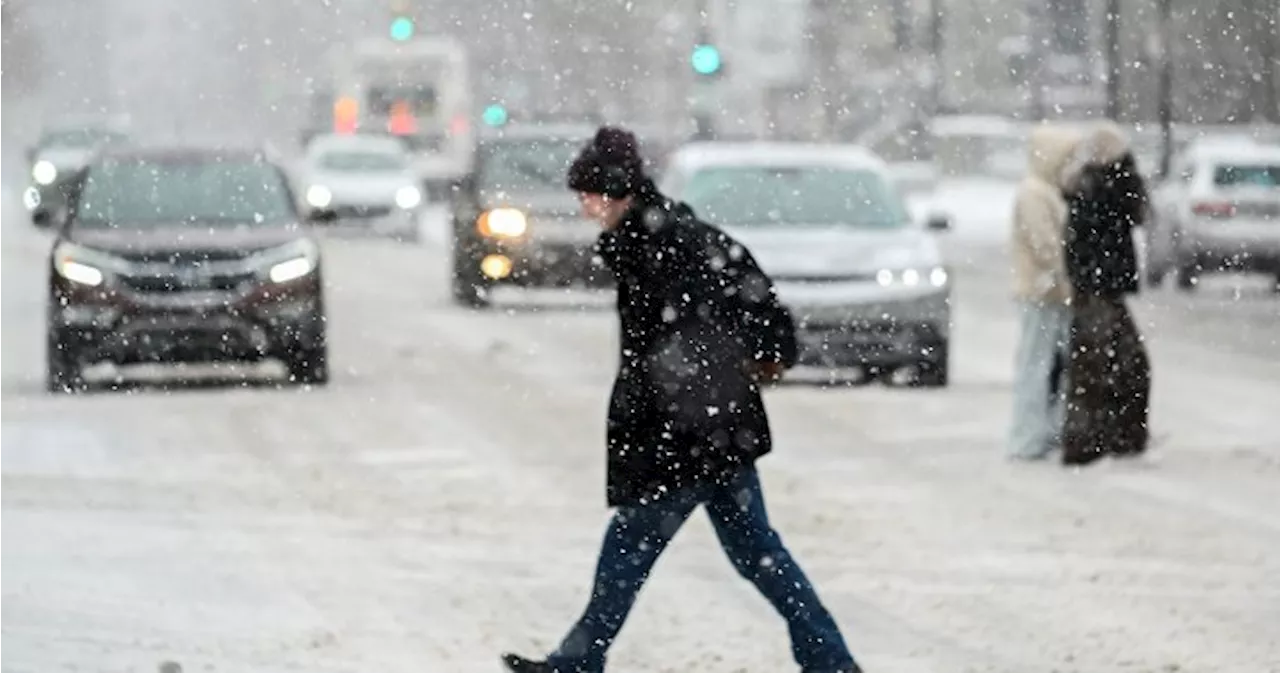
{"type": "Point", "coordinates": [503, 223]}
{"type": "Point", "coordinates": [319, 196]}
{"type": "Point", "coordinates": [936, 276]}
{"type": "Point", "coordinates": [44, 172]}
{"type": "Point", "coordinates": [290, 261]}
{"type": "Point", "coordinates": [82, 265]}
{"type": "Point", "coordinates": [408, 197]}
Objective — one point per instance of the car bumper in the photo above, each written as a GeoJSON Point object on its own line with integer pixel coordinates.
{"type": "Point", "coordinates": [894, 327]}
{"type": "Point", "coordinates": [124, 326]}
{"type": "Point", "coordinates": [1254, 247]}
{"type": "Point", "coordinates": [547, 263]}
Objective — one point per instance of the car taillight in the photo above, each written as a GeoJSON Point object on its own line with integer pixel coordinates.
{"type": "Point", "coordinates": [1214, 209]}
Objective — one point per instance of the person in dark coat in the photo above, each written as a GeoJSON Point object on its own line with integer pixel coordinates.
{"type": "Point", "coordinates": [1108, 372]}
{"type": "Point", "coordinates": [701, 329]}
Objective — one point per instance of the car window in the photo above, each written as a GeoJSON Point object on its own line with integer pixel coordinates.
{"type": "Point", "coordinates": [1247, 175]}
{"type": "Point", "coordinates": [527, 166]}
{"type": "Point", "coordinates": [146, 192]}
{"type": "Point", "coordinates": [772, 195]}
{"type": "Point", "coordinates": [362, 161]}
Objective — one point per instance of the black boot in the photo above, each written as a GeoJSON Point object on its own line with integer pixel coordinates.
{"type": "Point", "coordinates": [518, 664]}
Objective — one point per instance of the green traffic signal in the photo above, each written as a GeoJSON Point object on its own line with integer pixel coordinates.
{"type": "Point", "coordinates": [494, 115]}
{"type": "Point", "coordinates": [705, 59]}
{"type": "Point", "coordinates": [401, 28]}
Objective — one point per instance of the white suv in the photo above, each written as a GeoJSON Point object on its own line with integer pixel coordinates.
{"type": "Point", "coordinates": [1219, 211]}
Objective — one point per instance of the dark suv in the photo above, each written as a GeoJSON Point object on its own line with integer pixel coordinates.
{"type": "Point", "coordinates": [515, 222]}
{"type": "Point", "coordinates": [187, 255]}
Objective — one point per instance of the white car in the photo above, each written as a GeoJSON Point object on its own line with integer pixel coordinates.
{"type": "Point", "coordinates": [364, 178]}
{"type": "Point", "coordinates": [866, 284]}
{"type": "Point", "coordinates": [1219, 211]}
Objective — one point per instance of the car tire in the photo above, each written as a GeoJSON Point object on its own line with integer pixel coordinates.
{"type": "Point", "coordinates": [935, 372]}
{"type": "Point", "coordinates": [1155, 276]}
{"type": "Point", "coordinates": [1187, 277]}
{"type": "Point", "coordinates": [310, 365]}
{"type": "Point", "coordinates": [63, 370]}
{"type": "Point", "coordinates": [469, 288]}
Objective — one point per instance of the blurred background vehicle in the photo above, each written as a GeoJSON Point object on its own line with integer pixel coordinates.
{"type": "Point", "coordinates": [867, 285]}
{"type": "Point", "coordinates": [56, 156]}
{"type": "Point", "coordinates": [183, 255]}
{"type": "Point", "coordinates": [515, 221]}
{"type": "Point", "coordinates": [363, 178]}
{"type": "Point", "coordinates": [1219, 211]}
{"type": "Point", "coordinates": [418, 89]}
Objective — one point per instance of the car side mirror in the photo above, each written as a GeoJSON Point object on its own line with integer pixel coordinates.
{"type": "Point", "coordinates": [42, 217]}
{"type": "Point", "coordinates": [938, 222]}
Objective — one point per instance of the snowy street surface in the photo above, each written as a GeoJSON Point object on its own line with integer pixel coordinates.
{"type": "Point", "coordinates": [441, 501]}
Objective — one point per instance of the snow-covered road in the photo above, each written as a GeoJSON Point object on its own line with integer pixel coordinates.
{"type": "Point", "coordinates": [442, 500]}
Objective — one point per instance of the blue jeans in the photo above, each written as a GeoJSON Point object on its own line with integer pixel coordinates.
{"type": "Point", "coordinates": [637, 535]}
{"type": "Point", "coordinates": [1039, 411]}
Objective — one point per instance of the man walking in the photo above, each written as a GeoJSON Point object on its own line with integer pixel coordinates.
{"type": "Point", "coordinates": [701, 329]}
{"type": "Point", "coordinates": [1043, 292]}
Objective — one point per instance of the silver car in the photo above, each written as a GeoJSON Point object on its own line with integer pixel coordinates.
{"type": "Point", "coordinates": [362, 178]}
{"type": "Point", "coordinates": [868, 286]}
{"type": "Point", "coordinates": [1219, 211]}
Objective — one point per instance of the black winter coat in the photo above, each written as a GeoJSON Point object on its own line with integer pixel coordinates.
{"type": "Point", "coordinates": [693, 309]}
{"type": "Point", "coordinates": [1105, 204]}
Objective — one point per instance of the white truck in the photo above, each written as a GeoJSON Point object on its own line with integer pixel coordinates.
{"type": "Point", "coordinates": [419, 90]}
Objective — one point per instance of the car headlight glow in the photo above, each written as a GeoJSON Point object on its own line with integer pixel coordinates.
{"type": "Point", "coordinates": [936, 276]}
{"type": "Point", "coordinates": [78, 272]}
{"type": "Point", "coordinates": [44, 172]}
{"type": "Point", "coordinates": [292, 269]}
{"type": "Point", "coordinates": [84, 266]}
{"type": "Point", "coordinates": [31, 198]}
{"type": "Point", "coordinates": [408, 197]}
{"type": "Point", "coordinates": [503, 223]}
{"type": "Point", "coordinates": [319, 196]}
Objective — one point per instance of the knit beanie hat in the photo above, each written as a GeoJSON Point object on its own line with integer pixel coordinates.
{"type": "Point", "coordinates": [610, 164]}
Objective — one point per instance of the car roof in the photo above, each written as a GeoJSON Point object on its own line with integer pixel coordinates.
{"type": "Point", "coordinates": [702, 154]}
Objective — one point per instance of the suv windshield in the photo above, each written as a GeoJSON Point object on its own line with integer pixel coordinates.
{"type": "Point", "coordinates": [362, 161]}
{"type": "Point", "coordinates": [528, 165]}
{"type": "Point", "coordinates": [803, 196]}
{"type": "Point", "coordinates": [160, 192]}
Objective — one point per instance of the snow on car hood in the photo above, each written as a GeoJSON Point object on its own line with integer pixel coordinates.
{"type": "Point", "coordinates": [792, 251]}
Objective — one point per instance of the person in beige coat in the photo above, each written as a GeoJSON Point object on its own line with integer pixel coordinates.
{"type": "Point", "coordinates": [1043, 293]}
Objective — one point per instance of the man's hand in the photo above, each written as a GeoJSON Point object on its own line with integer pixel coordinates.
{"type": "Point", "coordinates": [766, 372]}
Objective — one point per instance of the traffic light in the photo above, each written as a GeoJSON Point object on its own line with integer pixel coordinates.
{"type": "Point", "coordinates": [402, 28]}
{"type": "Point", "coordinates": [494, 115]}
{"type": "Point", "coordinates": [706, 60]}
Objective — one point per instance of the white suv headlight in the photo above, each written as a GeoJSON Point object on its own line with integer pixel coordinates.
{"type": "Point", "coordinates": [932, 276]}
{"type": "Point", "coordinates": [408, 197]}
{"type": "Point", "coordinates": [319, 196]}
{"type": "Point", "coordinates": [44, 172]}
